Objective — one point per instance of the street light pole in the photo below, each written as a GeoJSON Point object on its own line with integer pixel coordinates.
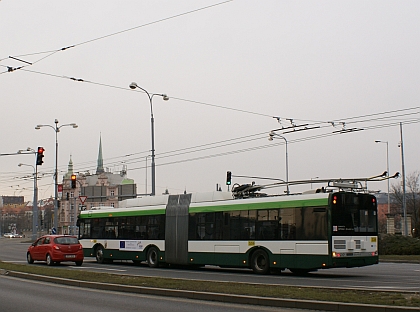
{"type": "Point", "coordinates": [35, 201]}
{"type": "Point", "coordinates": [403, 183]}
{"type": "Point", "coordinates": [387, 171]}
{"type": "Point", "coordinates": [56, 129]}
{"type": "Point", "coordinates": [55, 222]}
{"type": "Point", "coordinates": [134, 85]}
{"type": "Point", "coordinates": [146, 172]}
{"type": "Point", "coordinates": [272, 134]}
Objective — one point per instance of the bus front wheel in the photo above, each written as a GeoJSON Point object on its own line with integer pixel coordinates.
{"type": "Point", "coordinates": [152, 257]}
{"type": "Point", "coordinates": [259, 262]}
{"type": "Point", "coordinates": [99, 254]}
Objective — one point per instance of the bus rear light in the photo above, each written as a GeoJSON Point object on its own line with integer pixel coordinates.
{"type": "Point", "coordinates": [336, 254]}
{"type": "Point", "coordinates": [334, 200]}
{"type": "Point", "coordinates": [375, 253]}
{"type": "Point", "coordinates": [324, 264]}
{"type": "Point", "coordinates": [274, 263]}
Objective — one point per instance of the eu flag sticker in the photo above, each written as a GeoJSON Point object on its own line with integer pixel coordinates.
{"type": "Point", "coordinates": [122, 244]}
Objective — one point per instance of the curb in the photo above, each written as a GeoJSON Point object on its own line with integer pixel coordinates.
{"type": "Point", "coordinates": [237, 299]}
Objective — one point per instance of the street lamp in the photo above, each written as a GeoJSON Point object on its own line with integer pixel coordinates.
{"type": "Point", "coordinates": [35, 202]}
{"type": "Point", "coordinates": [271, 136]}
{"type": "Point", "coordinates": [56, 129]}
{"type": "Point", "coordinates": [134, 85]}
{"type": "Point", "coordinates": [387, 170]}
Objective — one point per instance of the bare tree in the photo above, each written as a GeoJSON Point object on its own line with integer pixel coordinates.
{"type": "Point", "coordinates": [412, 198]}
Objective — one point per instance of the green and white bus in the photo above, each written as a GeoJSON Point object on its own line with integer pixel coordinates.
{"type": "Point", "coordinates": [301, 233]}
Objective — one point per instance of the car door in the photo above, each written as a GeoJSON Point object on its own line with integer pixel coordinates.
{"type": "Point", "coordinates": [37, 249]}
{"type": "Point", "coordinates": [45, 248]}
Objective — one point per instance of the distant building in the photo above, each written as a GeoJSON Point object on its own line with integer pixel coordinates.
{"type": "Point", "coordinates": [103, 188]}
{"type": "Point", "coordinates": [13, 218]}
{"type": "Point", "coordinates": [11, 200]}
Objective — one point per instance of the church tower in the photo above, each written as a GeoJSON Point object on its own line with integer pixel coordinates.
{"type": "Point", "coordinates": [100, 167]}
{"type": "Point", "coordinates": [69, 170]}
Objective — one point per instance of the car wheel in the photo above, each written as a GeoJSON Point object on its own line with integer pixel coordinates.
{"type": "Point", "coordinates": [99, 253]}
{"type": "Point", "coordinates": [29, 258]}
{"type": "Point", "coordinates": [152, 257]}
{"type": "Point", "coordinates": [49, 260]}
{"type": "Point", "coordinates": [79, 263]}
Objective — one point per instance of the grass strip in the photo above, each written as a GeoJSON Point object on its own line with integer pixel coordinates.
{"type": "Point", "coordinates": [285, 292]}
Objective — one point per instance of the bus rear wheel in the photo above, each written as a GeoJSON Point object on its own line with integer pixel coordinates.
{"type": "Point", "coordinates": [152, 257]}
{"type": "Point", "coordinates": [259, 262]}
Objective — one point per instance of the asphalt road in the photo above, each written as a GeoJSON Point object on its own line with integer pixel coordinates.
{"type": "Point", "coordinates": [384, 276]}
{"type": "Point", "coordinates": [24, 295]}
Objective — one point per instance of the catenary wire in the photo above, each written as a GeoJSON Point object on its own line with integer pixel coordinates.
{"type": "Point", "coordinates": [50, 53]}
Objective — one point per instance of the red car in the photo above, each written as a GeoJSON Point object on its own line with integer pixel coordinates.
{"type": "Point", "coordinates": [55, 249]}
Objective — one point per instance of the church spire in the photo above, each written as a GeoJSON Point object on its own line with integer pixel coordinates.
{"type": "Point", "coordinates": [70, 166]}
{"type": "Point", "coordinates": [100, 167]}
{"type": "Point", "coordinates": [69, 169]}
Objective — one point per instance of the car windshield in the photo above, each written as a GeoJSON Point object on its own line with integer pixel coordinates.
{"type": "Point", "coordinates": [66, 240]}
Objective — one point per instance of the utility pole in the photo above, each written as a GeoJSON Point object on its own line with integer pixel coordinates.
{"type": "Point", "coordinates": [404, 204]}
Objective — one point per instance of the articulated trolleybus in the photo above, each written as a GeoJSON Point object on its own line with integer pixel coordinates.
{"type": "Point", "coordinates": [335, 226]}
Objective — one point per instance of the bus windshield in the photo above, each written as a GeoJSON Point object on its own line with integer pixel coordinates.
{"type": "Point", "coordinates": [353, 214]}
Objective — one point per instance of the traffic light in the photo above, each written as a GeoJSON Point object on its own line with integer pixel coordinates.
{"type": "Point", "coordinates": [73, 181]}
{"type": "Point", "coordinates": [39, 156]}
{"type": "Point", "coordinates": [228, 178]}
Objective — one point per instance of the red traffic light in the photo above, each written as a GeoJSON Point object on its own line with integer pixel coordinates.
{"type": "Point", "coordinates": [39, 156]}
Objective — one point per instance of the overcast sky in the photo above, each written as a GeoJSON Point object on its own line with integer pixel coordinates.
{"type": "Point", "coordinates": [228, 68]}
